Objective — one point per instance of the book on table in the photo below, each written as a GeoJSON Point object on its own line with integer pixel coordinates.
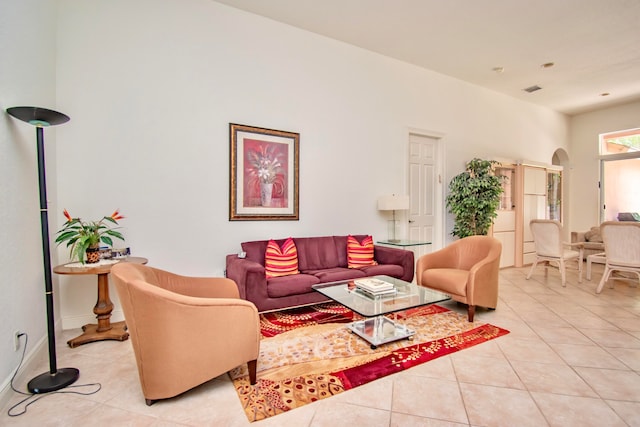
{"type": "Point", "coordinates": [375, 286]}
{"type": "Point", "coordinates": [370, 294]}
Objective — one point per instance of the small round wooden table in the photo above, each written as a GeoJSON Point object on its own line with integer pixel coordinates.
{"type": "Point", "coordinates": [104, 330]}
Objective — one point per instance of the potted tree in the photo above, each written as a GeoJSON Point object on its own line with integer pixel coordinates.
{"type": "Point", "coordinates": [474, 197]}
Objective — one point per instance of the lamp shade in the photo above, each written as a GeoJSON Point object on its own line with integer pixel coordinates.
{"type": "Point", "coordinates": [38, 116]}
{"type": "Point", "coordinates": [393, 202]}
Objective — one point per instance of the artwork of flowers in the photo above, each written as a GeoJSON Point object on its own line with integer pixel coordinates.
{"type": "Point", "coordinates": [264, 174]}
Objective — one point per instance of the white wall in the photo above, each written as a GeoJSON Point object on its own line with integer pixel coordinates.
{"type": "Point", "coordinates": [27, 77]}
{"type": "Point", "coordinates": [151, 87]}
{"type": "Point", "coordinates": [585, 131]}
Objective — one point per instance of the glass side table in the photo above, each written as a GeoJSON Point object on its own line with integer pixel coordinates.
{"type": "Point", "coordinates": [403, 243]}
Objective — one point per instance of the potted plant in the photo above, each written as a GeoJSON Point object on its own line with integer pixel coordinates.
{"type": "Point", "coordinates": [474, 197]}
{"type": "Point", "coordinates": [84, 236]}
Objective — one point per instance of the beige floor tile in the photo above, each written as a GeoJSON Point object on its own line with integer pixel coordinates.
{"type": "Point", "coordinates": [561, 335]}
{"type": "Point", "coordinates": [562, 411]}
{"type": "Point", "coordinates": [629, 356]}
{"type": "Point", "coordinates": [486, 371]}
{"type": "Point", "coordinates": [590, 356]}
{"type": "Point", "coordinates": [589, 321]}
{"type": "Point", "coordinates": [628, 411]}
{"type": "Point", "coordinates": [500, 407]}
{"type": "Point", "coordinates": [429, 398]}
{"type": "Point", "coordinates": [440, 368]}
{"type": "Point", "coordinates": [404, 420]}
{"type": "Point", "coordinates": [552, 378]}
{"type": "Point", "coordinates": [613, 384]}
{"type": "Point", "coordinates": [334, 414]}
{"type": "Point", "coordinates": [608, 338]}
{"type": "Point", "coordinates": [528, 350]}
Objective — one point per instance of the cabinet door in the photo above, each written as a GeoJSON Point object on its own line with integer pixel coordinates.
{"type": "Point", "coordinates": [535, 181]}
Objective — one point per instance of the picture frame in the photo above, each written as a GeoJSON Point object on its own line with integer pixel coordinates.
{"type": "Point", "coordinates": [264, 174]}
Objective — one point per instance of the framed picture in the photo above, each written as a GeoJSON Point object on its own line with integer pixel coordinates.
{"type": "Point", "coordinates": [264, 174]}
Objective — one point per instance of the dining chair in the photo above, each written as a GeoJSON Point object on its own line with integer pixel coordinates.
{"type": "Point", "coordinates": [621, 249]}
{"type": "Point", "coordinates": [547, 237]}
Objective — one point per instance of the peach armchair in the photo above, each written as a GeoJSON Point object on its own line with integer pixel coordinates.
{"type": "Point", "coordinates": [185, 331]}
{"type": "Point", "coordinates": [467, 270]}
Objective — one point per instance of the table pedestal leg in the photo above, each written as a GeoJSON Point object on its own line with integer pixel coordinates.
{"type": "Point", "coordinates": [104, 330]}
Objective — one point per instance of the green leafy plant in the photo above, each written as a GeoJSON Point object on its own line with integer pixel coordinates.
{"type": "Point", "coordinates": [81, 235]}
{"type": "Point", "coordinates": [474, 197]}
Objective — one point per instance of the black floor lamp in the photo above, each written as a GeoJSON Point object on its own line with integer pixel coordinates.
{"type": "Point", "coordinates": [56, 378]}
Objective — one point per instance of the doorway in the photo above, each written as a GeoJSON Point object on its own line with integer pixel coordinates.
{"type": "Point", "coordinates": [425, 219]}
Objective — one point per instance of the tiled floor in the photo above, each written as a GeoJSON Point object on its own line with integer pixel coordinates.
{"type": "Point", "coordinates": [572, 359]}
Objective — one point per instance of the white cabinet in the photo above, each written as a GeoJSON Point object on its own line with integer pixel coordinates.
{"type": "Point", "coordinates": [540, 193]}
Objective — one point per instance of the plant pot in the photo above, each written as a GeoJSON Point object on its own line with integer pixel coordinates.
{"type": "Point", "coordinates": [93, 255]}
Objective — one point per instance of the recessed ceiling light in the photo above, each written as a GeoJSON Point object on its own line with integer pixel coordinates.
{"type": "Point", "coordinates": [547, 65]}
{"type": "Point", "coordinates": [605, 94]}
{"type": "Point", "coordinates": [498, 69]}
{"type": "Point", "coordinates": [532, 88]}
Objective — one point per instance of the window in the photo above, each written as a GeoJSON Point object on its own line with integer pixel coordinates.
{"type": "Point", "coordinates": [620, 142]}
{"type": "Point", "coordinates": [619, 173]}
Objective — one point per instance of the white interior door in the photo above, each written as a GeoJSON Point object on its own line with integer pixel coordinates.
{"type": "Point", "coordinates": [425, 192]}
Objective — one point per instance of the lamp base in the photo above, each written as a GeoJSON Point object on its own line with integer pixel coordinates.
{"type": "Point", "coordinates": [47, 382]}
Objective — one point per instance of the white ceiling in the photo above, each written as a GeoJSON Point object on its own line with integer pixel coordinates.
{"type": "Point", "coordinates": [594, 44]}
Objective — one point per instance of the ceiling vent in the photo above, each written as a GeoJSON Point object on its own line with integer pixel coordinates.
{"type": "Point", "coordinates": [531, 89]}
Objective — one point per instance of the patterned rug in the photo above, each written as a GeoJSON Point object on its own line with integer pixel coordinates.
{"type": "Point", "coordinates": [308, 354]}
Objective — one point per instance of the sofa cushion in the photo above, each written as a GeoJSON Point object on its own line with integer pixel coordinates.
{"type": "Point", "coordinates": [327, 275]}
{"type": "Point", "coordinates": [256, 250]}
{"type": "Point", "coordinates": [360, 253]}
{"type": "Point", "coordinates": [593, 235]}
{"type": "Point", "coordinates": [281, 260]}
{"type": "Point", "coordinates": [317, 253]}
{"type": "Point", "coordinates": [294, 284]}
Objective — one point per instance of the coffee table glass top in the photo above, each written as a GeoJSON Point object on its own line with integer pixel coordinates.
{"type": "Point", "coordinates": [407, 295]}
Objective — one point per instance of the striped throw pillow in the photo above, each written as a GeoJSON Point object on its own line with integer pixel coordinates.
{"type": "Point", "coordinates": [360, 254]}
{"type": "Point", "coordinates": [281, 261]}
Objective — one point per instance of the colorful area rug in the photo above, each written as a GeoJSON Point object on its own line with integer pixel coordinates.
{"type": "Point", "coordinates": [308, 354]}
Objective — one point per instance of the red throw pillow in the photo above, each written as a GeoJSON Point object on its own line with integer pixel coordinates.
{"type": "Point", "coordinates": [360, 254]}
{"type": "Point", "coordinates": [281, 261]}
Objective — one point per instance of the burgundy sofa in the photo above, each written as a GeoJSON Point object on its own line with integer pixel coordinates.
{"type": "Point", "coordinates": [320, 260]}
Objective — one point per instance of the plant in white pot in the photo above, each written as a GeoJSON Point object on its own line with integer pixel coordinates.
{"type": "Point", "coordinates": [474, 198]}
{"type": "Point", "coordinates": [85, 236]}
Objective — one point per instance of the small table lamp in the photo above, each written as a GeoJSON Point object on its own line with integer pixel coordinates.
{"type": "Point", "coordinates": [394, 202]}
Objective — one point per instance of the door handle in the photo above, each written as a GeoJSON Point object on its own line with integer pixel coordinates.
{"type": "Point", "coordinates": [411, 221]}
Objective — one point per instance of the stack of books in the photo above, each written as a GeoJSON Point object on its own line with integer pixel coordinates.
{"type": "Point", "coordinates": [375, 287]}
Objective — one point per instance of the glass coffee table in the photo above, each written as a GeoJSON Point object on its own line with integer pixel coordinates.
{"type": "Point", "coordinates": [377, 328]}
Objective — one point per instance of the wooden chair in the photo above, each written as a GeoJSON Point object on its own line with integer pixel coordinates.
{"type": "Point", "coordinates": [185, 330]}
{"type": "Point", "coordinates": [621, 249]}
{"type": "Point", "coordinates": [547, 237]}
